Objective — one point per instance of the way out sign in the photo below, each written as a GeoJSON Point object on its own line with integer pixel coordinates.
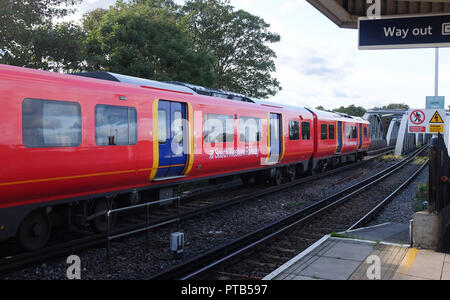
{"type": "Point", "coordinates": [426, 120]}
{"type": "Point", "coordinates": [404, 32]}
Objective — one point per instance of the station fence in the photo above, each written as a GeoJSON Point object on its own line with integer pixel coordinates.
{"type": "Point", "coordinates": [145, 227]}
{"type": "Point", "coordinates": [439, 176]}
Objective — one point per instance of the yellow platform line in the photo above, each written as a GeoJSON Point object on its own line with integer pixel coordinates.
{"type": "Point", "coordinates": [407, 261]}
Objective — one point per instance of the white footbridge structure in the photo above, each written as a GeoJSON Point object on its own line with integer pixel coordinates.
{"type": "Point", "coordinates": [389, 127]}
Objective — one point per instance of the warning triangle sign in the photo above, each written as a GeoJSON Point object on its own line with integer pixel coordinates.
{"type": "Point", "coordinates": [436, 118]}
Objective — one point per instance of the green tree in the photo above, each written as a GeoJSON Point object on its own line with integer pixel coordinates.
{"type": "Point", "coordinates": [396, 106]}
{"type": "Point", "coordinates": [320, 107]}
{"type": "Point", "coordinates": [92, 19]}
{"type": "Point", "coordinates": [238, 40]}
{"type": "Point", "coordinates": [144, 41]}
{"type": "Point", "coordinates": [351, 110]}
{"type": "Point", "coordinates": [59, 48]}
{"type": "Point", "coordinates": [22, 24]}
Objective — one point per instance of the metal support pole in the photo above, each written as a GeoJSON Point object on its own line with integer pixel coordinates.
{"type": "Point", "coordinates": [178, 213]}
{"type": "Point", "coordinates": [147, 216]}
{"type": "Point", "coordinates": [108, 224]}
{"type": "Point", "coordinates": [436, 73]}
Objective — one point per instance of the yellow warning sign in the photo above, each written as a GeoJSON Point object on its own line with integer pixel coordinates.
{"type": "Point", "coordinates": [437, 128]}
{"type": "Point", "coordinates": [436, 118]}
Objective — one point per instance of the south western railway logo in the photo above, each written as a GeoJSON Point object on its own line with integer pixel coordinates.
{"type": "Point", "coordinates": [417, 117]}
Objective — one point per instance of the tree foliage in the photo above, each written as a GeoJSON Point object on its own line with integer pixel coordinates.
{"type": "Point", "coordinates": [351, 110]}
{"type": "Point", "coordinates": [205, 42]}
{"type": "Point", "coordinates": [139, 40]}
{"type": "Point", "coordinates": [238, 40]}
{"type": "Point", "coordinates": [396, 106]}
{"type": "Point", "coordinates": [28, 38]}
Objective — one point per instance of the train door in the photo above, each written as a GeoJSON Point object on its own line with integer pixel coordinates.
{"type": "Point", "coordinates": [339, 137]}
{"type": "Point", "coordinates": [360, 136]}
{"type": "Point", "coordinates": [172, 139]}
{"type": "Point", "coordinates": [275, 136]}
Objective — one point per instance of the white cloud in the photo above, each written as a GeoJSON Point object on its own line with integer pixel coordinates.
{"type": "Point", "coordinates": [319, 63]}
{"type": "Point", "coordinates": [293, 6]}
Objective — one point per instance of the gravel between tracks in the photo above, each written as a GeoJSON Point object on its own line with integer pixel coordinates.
{"type": "Point", "coordinates": [131, 260]}
{"type": "Point", "coordinates": [400, 209]}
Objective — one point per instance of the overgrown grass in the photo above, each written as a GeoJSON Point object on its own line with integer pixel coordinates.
{"type": "Point", "coordinates": [419, 160]}
{"type": "Point", "coordinates": [342, 236]}
{"type": "Point", "coordinates": [292, 205]}
{"type": "Point", "coordinates": [420, 197]}
{"type": "Point", "coordinates": [391, 157]}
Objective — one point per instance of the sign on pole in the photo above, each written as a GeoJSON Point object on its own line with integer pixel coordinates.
{"type": "Point", "coordinates": [404, 32]}
{"type": "Point", "coordinates": [426, 120]}
{"type": "Point", "coordinates": [435, 102]}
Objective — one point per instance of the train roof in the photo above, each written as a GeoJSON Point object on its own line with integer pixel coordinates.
{"type": "Point", "coordinates": [201, 90]}
{"type": "Point", "coordinates": [336, 116]}
{"type": "Point", "coordinates": [213, 92]}
{"type": "Point", "coordinates": [135, 81]}
{"type": "Point", "coordinates": [168, 85]}
{"type": "Point", "coordinates": [174, 86]}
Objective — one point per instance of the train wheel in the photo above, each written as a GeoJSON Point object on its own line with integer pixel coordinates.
{"type": "Point", "coordinates": [100, 223]}
{"type": "Point", "coordinates": [276, 176]}
{"type": "Point", "coordinates": [261, 177]}
{"type": "Point", "coordinates": [246, 178]}
{"type": "Point", "coordinates": [35, 230]}
{"type": "Point", "coordinates": [291, 173]}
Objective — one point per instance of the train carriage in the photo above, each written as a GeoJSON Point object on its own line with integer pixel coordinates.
{"type": "Point", "coordinates": [74, 146]}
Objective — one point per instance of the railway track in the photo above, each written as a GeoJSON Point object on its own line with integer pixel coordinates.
{"type": "Point", "coordinates": [193, 205]}
{"type": "Point", "coordinates": [278, 242]}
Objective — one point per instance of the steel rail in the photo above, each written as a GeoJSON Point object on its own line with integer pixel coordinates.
{"type": "Point", "coordinates": [387, 200]}
{"type": "Point", "coordinates": [215, 257]}
{"type": "Point", "coordinates": [18, 261]}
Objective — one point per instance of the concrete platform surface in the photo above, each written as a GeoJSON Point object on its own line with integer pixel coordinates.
{"type": "Point", "coordinates": [354, 256]}
{"type": "Point", "coordinates": [424, 265]}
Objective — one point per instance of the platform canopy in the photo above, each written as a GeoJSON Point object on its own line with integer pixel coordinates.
{"type": "Point", "coordinates": [345, 13]}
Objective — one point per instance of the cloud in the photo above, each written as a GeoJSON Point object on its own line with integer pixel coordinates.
{"type": "Point", "coordinates": [292, 6]}
{"type": "Point", "coordinates": [340, 94]}
{"type": "Point", "coordinates": [309, 63]}
{"type": "Point", "coordinates": [320, 66]}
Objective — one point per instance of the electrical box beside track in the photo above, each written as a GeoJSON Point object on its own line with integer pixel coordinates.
{"type": "Point", "coordinates": [177, 242]}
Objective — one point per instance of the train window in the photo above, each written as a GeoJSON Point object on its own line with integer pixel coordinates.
{"type": "Point", "coordinates": [218, 128]}
{"type": "Point", "coordinates": [274, 128]}
{"type": "Point", "coordinates": [365, 131]}
{"type": "Point", "coordinates": [306, 131]}
{"type": "Point", "coordinates": [49, 123]}
{"type": "Point", "coordinates": [348, 131]}
{"type": "Point", "coordinates": [177, 127]}
{"type": "Point", "coordinates": [249, 129]}
{"type": "Point", "coordinates": [331, 132]}
{"type": "Point", "coordinates": [323, 132]}
{"type": "Point", "coordinates": [354, 132]}
{"type": "Point", "coordinates": [162, 126]}
{"type": "Point", "coordinates": [294, 129]}
{"type": "Point", "coordinates": [115, 125]}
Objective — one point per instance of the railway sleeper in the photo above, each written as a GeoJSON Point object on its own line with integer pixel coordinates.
{"type": "Point", "coordinates": [285, 250]}
{"type": "Point", "coordinates": [279, 258]}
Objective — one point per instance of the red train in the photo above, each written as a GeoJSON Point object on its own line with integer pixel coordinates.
{"type": "Point", "coordinates": [72, 145]}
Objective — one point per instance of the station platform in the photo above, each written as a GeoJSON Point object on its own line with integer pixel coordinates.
{"type": "Point", "coordinates": [377, 252]}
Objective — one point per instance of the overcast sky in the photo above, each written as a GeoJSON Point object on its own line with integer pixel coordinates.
{"type": "Point", "coordinates": [319, 63]}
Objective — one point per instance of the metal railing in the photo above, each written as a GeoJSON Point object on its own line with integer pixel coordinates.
{"type": "Point", "coordinates": [439, 177]}
{"type": "Point", "coordinates": [147, 227]}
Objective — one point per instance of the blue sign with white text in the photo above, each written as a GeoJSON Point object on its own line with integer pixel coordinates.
{"type": "Point", "coordinates": [404, 32]}
{"type": "Point", "coordinates": [435, 102]}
